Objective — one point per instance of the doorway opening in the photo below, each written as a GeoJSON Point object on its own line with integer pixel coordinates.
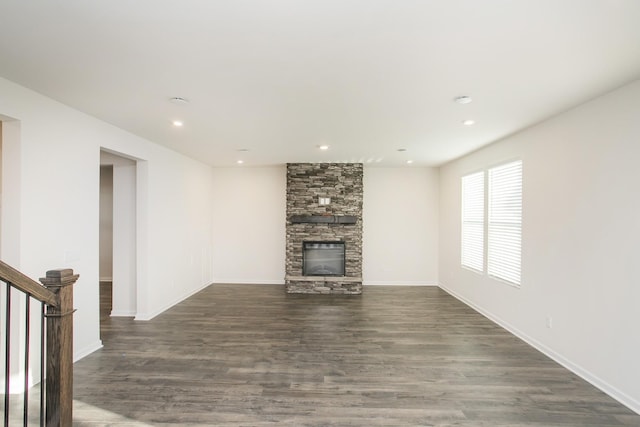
{"type": "Point", "coordinates": [118, 260]}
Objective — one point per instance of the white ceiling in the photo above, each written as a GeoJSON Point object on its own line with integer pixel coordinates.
{"type": "Point", "coordinates": [280, 77]}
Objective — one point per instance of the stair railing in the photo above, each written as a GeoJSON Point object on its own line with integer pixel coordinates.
{"type": "Point", "coordinates": [55, 296]}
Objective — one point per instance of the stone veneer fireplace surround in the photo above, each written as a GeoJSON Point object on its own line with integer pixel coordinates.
{"type": "Point", "coordinates": [339, 221]}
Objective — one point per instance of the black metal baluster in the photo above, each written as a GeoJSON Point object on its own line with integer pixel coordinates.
{"type": "Point", "coordinates": [27, 326]}
{"type": "Point", "coordinates": [42, 359]}
{"type": "Point", "coordinates": [7, 360]}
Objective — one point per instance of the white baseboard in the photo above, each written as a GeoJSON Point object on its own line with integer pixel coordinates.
{"type": "Point", "coordinates": [248, 282]}
{"type": "Point", "coordinates": [16, 382]}
{"type": "Point", "coordinates": [594, 380]}
{"type": "Point", "coordinates": [281, 282]}
{"type": "Point", "coordinates": [87, 350]}
{"type": "Point", "coordinates": [115, 313]}
{"type": "Point", "coordinates": [381, 283]}
{"type": "Point", "coordinates": [149, 316]}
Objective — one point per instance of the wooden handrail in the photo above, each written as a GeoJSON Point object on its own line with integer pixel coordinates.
{"type": "Point", "coordinates": [27, 285]}
{"type": "Point", "coordinates": [56, 292]}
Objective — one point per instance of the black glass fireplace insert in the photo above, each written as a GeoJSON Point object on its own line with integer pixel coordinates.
{"type": "Point", "coordinates": [323, 258]}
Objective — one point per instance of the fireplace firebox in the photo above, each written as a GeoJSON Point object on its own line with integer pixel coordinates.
{"type": "Point", "coordinates": [323, 259]}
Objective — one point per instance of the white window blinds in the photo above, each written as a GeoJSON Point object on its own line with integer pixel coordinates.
{"type": "Point", "coordinates": [472, 251]}
{"type": "Point", "coordinates": [505, 222]}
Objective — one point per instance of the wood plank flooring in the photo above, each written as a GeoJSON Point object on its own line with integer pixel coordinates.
{"type": "Point", "coordinates": [251, 355]}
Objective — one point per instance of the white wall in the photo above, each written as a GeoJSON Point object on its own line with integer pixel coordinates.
{"type": "Point", "coordinates": [400, 241]}
{"type": "Point", "coordinates": [581, 234]}
{"type": "Point", "coordinates": [400, 226]}
{"type": "Point", "coordinates": [11, 168]}
{"type": "Point", "coordinates": [0, 181]}
{"type": "Point", "coordinates": [54, 199]}
{"type": "Point", "coordinates": [174, 245]}
{"type": "Point", "coordinates": [249, 224]}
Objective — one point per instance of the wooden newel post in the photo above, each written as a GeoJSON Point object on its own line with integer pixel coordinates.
{"type": "Point", "coordinates": [59, 382]}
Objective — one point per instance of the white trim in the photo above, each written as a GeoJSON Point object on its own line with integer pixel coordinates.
{"type": "Point", "coordinates": [247, 282]}
{"type": "Point", "coordinates": [122, 313]}
{"type": "Point", "coordinates": [106, 279]}
{"type": "Point", "coordinates": [167, 306]}
{"type": "Point", "coordinates": [594, 380]}
{"type": "Point", "coordinates": [365, 283]}
{"type": "Point", "coordinates": [16, 383]}
{"type": "Point", "coordinates": [84, 352]}
{"type": "Point", "coordinates": [389, 283]}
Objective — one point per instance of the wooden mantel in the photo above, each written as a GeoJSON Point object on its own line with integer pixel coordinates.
{"type": "Point", "coordinates": [323, 219]}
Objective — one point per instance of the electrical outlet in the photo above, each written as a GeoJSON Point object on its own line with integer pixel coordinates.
{"type": "Point", "coordinates": [549, 322]}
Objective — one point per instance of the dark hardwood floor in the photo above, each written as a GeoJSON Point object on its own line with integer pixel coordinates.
{"type": "Point", "coordinates": [250, 355]}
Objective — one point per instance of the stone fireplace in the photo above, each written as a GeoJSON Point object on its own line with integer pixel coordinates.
{"type": "Point", "coordinates": [324, 228]}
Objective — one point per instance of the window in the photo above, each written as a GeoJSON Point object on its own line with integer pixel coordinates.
{"type": "Point", "coordinates": [473, 221]}
{"type": "Point", "coordinates": [502, 231]}
{"type": "Point", "coordinates": [505, 222]}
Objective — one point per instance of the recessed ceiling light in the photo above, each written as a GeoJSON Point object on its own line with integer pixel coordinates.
{"type": "Point", "coordinates": [469, 122]}
{"type": "Point", "coordinates": [240, 162]}
{"type": "Point", "coordinates": [323, 147]}
{"type": "Point", "coordinates": [463, 99]}
{"type": "Point", "coordinates": [179, 100]}
{"type": "Point", "coordinates": [178, 123]}
{"type": "Point", "coordinates": [409, 161]}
